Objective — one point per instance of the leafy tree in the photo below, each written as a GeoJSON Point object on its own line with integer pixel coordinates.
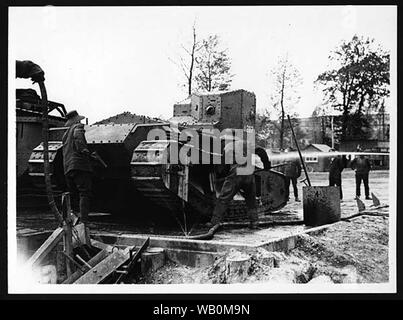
{"type": "Point", "coordinates": [321, 113]}
{"type": "Point", "coordinates": [263, 128]}
{"type": "Point", "coordinates": [286, 80]}
{"type": "Point", "coordinates": [383, 133]}
{"type": "Point", "coordinates": [357, 83]}
{"type": "Point", "coordinates": [213, 66]}
{"type": "Point", "coordinates": [268, 131]}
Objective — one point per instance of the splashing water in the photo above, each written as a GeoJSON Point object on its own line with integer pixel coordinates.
{"type": "Point", "coordinates": [288, 156]}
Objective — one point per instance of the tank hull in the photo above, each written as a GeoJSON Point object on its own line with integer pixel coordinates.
{"type": "Point", "coordinates": [142, 180]}
{"type": "Point", "coordinates": [194, 188]}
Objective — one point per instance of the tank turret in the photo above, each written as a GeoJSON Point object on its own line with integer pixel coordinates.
{"type": "Point", "coordinates": [221, 110]}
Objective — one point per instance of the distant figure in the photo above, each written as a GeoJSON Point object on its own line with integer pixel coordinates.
{"type": "Point", "coordinates": [337, 165]}
{"type": "Point", "coordinates": [292, 171]}
{"type": "Point", "coordinates": [76, 162]}
{"type": "Point", "coordinates": [362, 166]}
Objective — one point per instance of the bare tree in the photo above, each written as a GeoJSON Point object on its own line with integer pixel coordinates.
{"type": "Point", "coordinates": [213, 66]}
{"type": "Point", "coordinates": [286, 80]}
{"type": "Point", "coordinates": [186, 61]}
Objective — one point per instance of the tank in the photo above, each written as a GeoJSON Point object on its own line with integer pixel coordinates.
{"type": "Point", "coordinates": [141, 173]}
{"type": "Point", "coordinates": [113, 189]}
{"type": "Point", "coordinates": [196, 186]}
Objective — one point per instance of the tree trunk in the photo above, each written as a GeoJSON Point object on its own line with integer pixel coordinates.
{"type": "Point", "coordinates": [190, 79]}
{"type": "Point", "coordinates": [282, 128]}
{"type": "Point", "coordinates": [282, 111]}
{"type": "Point", "coordinates": [237, 267]}
{"type": "Point", "coordinates": [361, 104]}
{"type": "Point", "coordinates": [344, 124]}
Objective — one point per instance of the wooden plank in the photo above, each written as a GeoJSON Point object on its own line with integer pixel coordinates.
{"type": "Point", "coordinates": [80, 236]}
{"type": "Point", "coordinates": [101, 245]}
{"type": "Point", "coordinates": [68, 248]}
{"type": "Point", "coordinates": [104, 268]}
{"type": "Point", "coordinates": [67, 231]}
{"type": "Point", "coordinates": [92, 262]}
{"type": "Point", "coordinates": [46, 247]}
{"type": "Point", "coordinates": [133, 260]}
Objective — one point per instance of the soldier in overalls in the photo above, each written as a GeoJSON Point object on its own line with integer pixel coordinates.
{"type": "Point", "coordinates": [76, 162]}
{"type": "Point", "coordinates": [240, 177]}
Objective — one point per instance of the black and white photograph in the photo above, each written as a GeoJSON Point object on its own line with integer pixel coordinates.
{"type": "Point", "coordinates": [202, 149]}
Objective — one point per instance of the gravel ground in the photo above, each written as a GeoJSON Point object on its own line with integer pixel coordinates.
{"type": "Point", "coordinates": [348, 252]}
{"type": "Point", "coordinates": [354, 251]}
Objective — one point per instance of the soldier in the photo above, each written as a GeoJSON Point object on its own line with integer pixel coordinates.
{"type": "Point", "coordinates": [233, 183]}
{"type": "Point", "coordinates": [76, 162]}
{"type": "Point", "coordinates": [337, 165]}
{"type": "Point", "coordinates": [362, 166]}
{"type": "Point", "coordinates": [292, 171]}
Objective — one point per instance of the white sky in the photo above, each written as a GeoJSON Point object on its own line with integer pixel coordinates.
{"type": "Point", "coordinates": [102, 61]}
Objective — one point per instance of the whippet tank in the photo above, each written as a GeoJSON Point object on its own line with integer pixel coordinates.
{"type": "Point", "coordinates": [193, 186]}
{"type": "Point", "coordinates": [143, 178]}
{"type": "Point", "coordinates": [113, 189]}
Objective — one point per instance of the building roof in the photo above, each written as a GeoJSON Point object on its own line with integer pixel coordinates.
{"type": "Point", "coordinates": [320, 147]}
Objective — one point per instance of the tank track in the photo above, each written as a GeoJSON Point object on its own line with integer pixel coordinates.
{"type": "Point", "coordinates": [159, 183]}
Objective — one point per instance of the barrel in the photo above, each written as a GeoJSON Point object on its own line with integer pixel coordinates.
{"type": "Point", "coordinates": [321, 205]}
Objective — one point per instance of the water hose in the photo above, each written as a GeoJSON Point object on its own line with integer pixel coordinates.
{"type": "Point", "coordinates": [205, 236]}
{"type": "Point", "coordinates": [270, 223]}
{"type": "Point", "coordinates": [210, 234]}
{"type": "Point", "coordinates": [46, 167]}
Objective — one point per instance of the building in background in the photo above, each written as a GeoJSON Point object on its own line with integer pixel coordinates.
{"type": "Point", "coordinates": [314, 162]}
{"type": "Point", "coordinates": [378, 140]}
{"type": "Point", "coordinates": [315, 134]}
{"type": "Point", "coordinates": [373, 145]}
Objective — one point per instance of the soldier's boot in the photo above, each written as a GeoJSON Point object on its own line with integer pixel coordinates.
{"type": "Point", "coordinates": [218, 214]}
{"type": "Point", "coordinates": [84, 208]}
{"type": "Point", "coordinates": [253, 225]}
{"type": "Point", "coordinates": [253, 219]}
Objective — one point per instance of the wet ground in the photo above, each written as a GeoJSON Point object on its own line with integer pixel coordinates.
{"type": "Point", "coordinates": [352, 251]}
{"type": "Point", "coordinates": [379, 185]}
{"type": "Point", "coordinates": [40, 219]}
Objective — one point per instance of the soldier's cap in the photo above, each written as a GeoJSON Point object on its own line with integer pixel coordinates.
{"type": "Point", "coordinates": [73, 117]}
